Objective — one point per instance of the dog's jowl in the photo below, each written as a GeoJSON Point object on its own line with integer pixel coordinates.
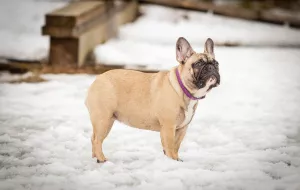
{"type": "Point", "coordinates": [163, 101]}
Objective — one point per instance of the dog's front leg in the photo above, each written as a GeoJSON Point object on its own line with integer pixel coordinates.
{"type": "Point", "coordinates": [167, 135]}
{"type": "Point", "coordinates": [179, 135]}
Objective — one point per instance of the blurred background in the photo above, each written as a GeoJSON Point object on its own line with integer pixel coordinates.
{"type": "Point", "coordinates": [244, 135]}
{"type": "Point", "coordinates": [74, 34]}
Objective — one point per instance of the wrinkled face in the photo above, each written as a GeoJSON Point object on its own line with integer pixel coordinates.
{"type": "Point", "coordinates": [200, 70]}
{"type": "Point", "coordinates": [205, 71]}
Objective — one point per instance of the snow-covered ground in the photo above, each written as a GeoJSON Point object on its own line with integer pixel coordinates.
{"type": "Point", "coordinates": [151, 39]}
{"type": "Point", "coordinates": [245, 134]}
{"type": "Point", "coordinates": [20, 31]}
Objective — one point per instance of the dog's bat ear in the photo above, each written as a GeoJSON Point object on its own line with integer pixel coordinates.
{"type": "Point", "coordinates": [183, 50]}
{"type": "Point", "coordinates": [209, 47]}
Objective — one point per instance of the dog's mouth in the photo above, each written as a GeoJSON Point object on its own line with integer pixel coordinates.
{"type": "Point", "coordinates": [212, 83]}
{"type": "Point", "coordinates": [206, 76]}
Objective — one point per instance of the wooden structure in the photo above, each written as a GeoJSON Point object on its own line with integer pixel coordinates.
{"type": "Point", "coordinates": [76, 29]}
{"type": "Point", "coordinates": [259, 14]}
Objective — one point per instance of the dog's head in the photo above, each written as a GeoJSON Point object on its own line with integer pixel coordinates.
{"type": "Point", "coordinates": [200, 71]}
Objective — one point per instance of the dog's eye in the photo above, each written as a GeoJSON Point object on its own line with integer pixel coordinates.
{"type": "Point", "coordinates": [216, 63]}
{"type": "Point", "coordinates": [199, 62]}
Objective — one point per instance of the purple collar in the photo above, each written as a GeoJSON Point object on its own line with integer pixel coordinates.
{"type": "Point", "coordinates": [184, 89]}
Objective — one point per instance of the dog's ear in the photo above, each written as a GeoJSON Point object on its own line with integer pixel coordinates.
{"type": "Point", "coordinates": [209, 47]}
{"type": "Point", "coordinates": [183, 50]}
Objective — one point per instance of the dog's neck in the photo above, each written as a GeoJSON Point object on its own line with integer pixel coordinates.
{"type": "Point", "coordinates": [177, 87]}
{"type": "Point", "coordinates": [184, 89]}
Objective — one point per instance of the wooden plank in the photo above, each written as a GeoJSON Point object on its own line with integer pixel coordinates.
{"type": "Point", "coordinates": [279, 16]}
{"type": "Point", "coordinates": [75, 13]}
{"type": "Point", "coordinates": [237, 12]}
{"type": "Point", "coordinates": [126, 12]}
{"type": "Point", "coordinates": [77, 8]}
{"type": "Point", "coordinates": [63, 51]}
{"type": "Point", "coordinates": [203, 6]}
{"type": "Point", "coordinates": [77, 28]}
{"type": "Point", "coordinates": [75, 31]}
{"type": "Point", "coordinates": [270, 16]}
{"type": "Point", "coordinates": [96, 35]}
{"type": "Point", "coordinates": [59, 32]}
{"type": "Point", "coordinates": [206, 6]}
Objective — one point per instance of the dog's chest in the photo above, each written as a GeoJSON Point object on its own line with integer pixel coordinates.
{"type": "Point", "coordinates": [188, 113]}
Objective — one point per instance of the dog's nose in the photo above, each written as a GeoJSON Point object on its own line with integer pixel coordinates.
{"type": "Point", "coordinates": [210, 67]}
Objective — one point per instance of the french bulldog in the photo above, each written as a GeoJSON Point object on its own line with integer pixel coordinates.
{"type": "Point", "coordinates": [164, 101]}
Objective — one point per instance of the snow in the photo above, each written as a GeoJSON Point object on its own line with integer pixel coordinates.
{"type": "Point", "coordinates": [162, 24]}
{"type": "Point", "coordinates": [150, 40]}
{"type": "Point", "coordinates": [245, 133]}
{"type": "Point", "coordinates": [160, 56]}
{"type": "Point", "coordinates": [20, 33]}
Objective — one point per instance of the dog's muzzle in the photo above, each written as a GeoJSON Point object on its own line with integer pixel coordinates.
{"type": "Point", "coordinates": [206, 73]}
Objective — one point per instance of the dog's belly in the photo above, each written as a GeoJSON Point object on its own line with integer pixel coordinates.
{"type": "Point", "coordinates": [138, 120]}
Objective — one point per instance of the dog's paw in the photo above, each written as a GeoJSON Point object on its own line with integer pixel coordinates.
{"type": "Point", "coordinates": [179, 160]}
{"type": "Point", "coordinates": [98, 161]}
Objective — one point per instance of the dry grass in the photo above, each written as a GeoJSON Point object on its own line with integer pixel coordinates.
{"type": "Point", "coordinates": [37, 69]}
{"type": "Point", "coordinates": [34, 78]}
{"type": "Point", "coordinates": [92, 69]}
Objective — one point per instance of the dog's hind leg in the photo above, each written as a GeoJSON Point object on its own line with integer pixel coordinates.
{"type": "Point", "coordinates": [101, 103]}
{"type": "Point", "coordinates": [102, 124]}
{"type": "Point", "coordinates": [93, 150]}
